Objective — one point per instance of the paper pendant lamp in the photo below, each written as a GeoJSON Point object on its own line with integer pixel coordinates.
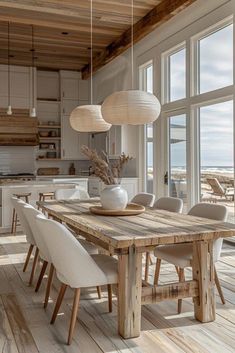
{"type": "Point", "coordinates": [88, 118]}
{"type": "Point", "coordinates": [133, 107]}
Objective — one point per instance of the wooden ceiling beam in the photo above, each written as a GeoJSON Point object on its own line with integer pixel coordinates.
{"type": "Point", "coordinates": [154, 18]}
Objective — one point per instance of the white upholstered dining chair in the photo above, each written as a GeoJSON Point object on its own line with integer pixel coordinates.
{"type": "Point", "coordinates": [144, 198]}
{"type": "Point", "coordinates": [31, 213]}
{"type": "Point", "coordinates": [181, 255]}
{"type": "Point", "coordinates": [18, 205]}
{"type": "Point", "coordinates": [77, 193]}
{"type": "Point", "coordinates": [171, 204]}
{"type": "Point", "coordinates": [75, 267]}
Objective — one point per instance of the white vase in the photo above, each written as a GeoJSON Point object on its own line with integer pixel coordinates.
{"type": "Point", "coordinates": [113, 197]}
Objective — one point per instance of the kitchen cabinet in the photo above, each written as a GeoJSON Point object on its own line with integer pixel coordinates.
{"type": "Point", "coordinates": [95, 186]}
{"type": "Point", "coordinates": [115, 141]}
{"type": "Point", "coordinates": [74, 92]}
{"type": "Point", "coordinates": [69, 88]}
{"type": "Point", "coordinates": [99, 142]}
{"type": "Point", "coordinates": [69, 142]}
{"type": "Point", "coordinates": [68, 106]}
{"type": "Point", "coordinates": [72, 141]}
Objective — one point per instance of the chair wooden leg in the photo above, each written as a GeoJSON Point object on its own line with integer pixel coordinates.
{"type": "Point", "coordinates": [99, 292]}
{"type": "Point", "coordinates": [58, 302]}
{"type": "Point", "coordinates": [110, 297]}
{"type": "Point", "coordinates": [217, 282]}
{"type": "Point", "coordinates": [13, 221]}
{"type": "Point", "coordinates": [177, 269]}
{"type": "Point", "coordinates": [35, 260]}
{"type": "Point", "coordinates": [146, 274]}
{"type": "Point", "coordinates": [74, 314]}
{"type": "Point", "coordinates": [43, 270]}
{"type": "Point", "coordinates": [181, 279]}
{"type": "Point", "coordinates": [28, 257]}
{"type": "Point", "coordinates": [49, 282]}
{"type": "Point", "coordinates": [157, 271]}
{"type": "Point", "coordinates": [150, 260]}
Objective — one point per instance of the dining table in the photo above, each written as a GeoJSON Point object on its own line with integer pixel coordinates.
{"type": "Point", "coordinates": [128, 237]}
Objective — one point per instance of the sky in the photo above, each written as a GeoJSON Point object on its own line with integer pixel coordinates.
{"type": "Point", "coordinates": [216, 121]}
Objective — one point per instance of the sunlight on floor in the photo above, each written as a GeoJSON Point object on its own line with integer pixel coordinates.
{"type": "Point", "coordinates": [12, 239]}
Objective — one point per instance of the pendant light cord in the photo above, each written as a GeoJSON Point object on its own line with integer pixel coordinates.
{"type": "Point", "coordinates": [132, 44]}
{"type": "Point", "coordinates": [8, 63]}
{"type": "Point", "coordinates": [33, 65]}
{"type": "Point", "coordinates": [91, 65]}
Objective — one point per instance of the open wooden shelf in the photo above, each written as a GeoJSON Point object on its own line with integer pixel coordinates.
{"type": "Point", "coordinates": [48, 159]}
{"type": "Point", "coordinates": [44, 126]}
{"type": "Point", "coordinates": [49, 138]}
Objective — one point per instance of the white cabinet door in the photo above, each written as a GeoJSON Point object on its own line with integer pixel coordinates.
{"type": "Point", "coordinates": [70, 140]}
{"type": "Point", "coordinates": [99, 142]}
{"type": "Point", "coordinates": [68, 106]}
{"type": "Point", "coordinates": [115, 141]}
{"type": "Point", "coordinates": [83, 90]}
{"type": "Point", "coordinates": [70, 88]}
{"type": "Point", "coordinates": [131, 186]}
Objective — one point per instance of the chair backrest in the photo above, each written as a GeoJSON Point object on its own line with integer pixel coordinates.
{"type": "Point", "coordinates": [172, 204]}
{"type": "Point", "coordinates": [211, 211]}
{"type": "Point", "coordinates": [78, 193]}
{"type": "Point", "coordinates": [18, 205]}
{"type": "Point", "coordinates": [144, 198]}
{"type": "Point", "coordinates": [74, 266]}
{"type": "Point", "coordinates": [216, 186]}
{"type": "Point", "coordinates": [30, 214]}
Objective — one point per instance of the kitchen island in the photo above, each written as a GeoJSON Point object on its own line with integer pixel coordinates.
{"type": "Point", "coordinates": [7, 190]}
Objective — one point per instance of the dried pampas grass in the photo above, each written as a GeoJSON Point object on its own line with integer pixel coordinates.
{"type": "Point", "coordinates": [108, 173]}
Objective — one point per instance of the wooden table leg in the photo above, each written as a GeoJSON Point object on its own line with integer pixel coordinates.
{"type": "Point", "coordinates": [203, 272]}
{"type": "Point", "coordinates": [129, 293]}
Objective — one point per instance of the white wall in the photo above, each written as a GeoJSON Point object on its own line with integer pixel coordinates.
{"type": "Point", "coordinates": [17, 159]}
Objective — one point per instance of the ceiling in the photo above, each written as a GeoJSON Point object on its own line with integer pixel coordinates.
{"type": "Point", "coordinates": [62, 29]}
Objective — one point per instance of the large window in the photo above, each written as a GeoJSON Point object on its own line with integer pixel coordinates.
{"type": "Point", "coordinates": [215, 56]}
{"type": "Point", "coordinates": [195, 136]}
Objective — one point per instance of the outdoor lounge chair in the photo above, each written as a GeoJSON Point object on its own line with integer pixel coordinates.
{"type": "Point", "coordinates": [219, 190]}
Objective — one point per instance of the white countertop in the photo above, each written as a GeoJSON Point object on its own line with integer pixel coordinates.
{"type": "Point", "coordinates": [61, 176]}
{"type": "Point", "coordinates": [26, 184]}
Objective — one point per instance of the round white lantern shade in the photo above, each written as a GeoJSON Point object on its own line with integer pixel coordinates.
{"type": "Point", "coordinates": [88, 118]}
{"type": "Point", "coordinates": [131, 107]}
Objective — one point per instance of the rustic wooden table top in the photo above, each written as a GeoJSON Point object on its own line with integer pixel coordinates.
{"type": "Point", "coordinates": [153, 227]}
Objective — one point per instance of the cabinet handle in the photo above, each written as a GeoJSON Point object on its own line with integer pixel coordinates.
{"type": "Point", "coordinates": [63, 110]}
{"type": "Point", "coordinates": [63, 94]}
{"type": "Point", "coordinates": [63, 152]}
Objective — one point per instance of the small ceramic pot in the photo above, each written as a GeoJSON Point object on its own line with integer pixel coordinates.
{"type": "Point", "coordinates": [113, 197]}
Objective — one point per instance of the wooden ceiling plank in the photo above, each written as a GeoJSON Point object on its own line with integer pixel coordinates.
{"type": "Point", "coordinates": [157, 16]}
{"type": "Point", "coordinates": [61, 26]}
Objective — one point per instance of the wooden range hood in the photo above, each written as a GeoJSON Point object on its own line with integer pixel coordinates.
{"type": "Point", "coordinates": [18, 129]}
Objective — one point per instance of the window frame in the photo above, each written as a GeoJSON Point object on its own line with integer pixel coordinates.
{"type": "Point", "coordinates": [195, 55]}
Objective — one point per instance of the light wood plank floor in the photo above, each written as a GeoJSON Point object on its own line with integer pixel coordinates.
{"type": "Point", "coordinates": [25, 324]}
